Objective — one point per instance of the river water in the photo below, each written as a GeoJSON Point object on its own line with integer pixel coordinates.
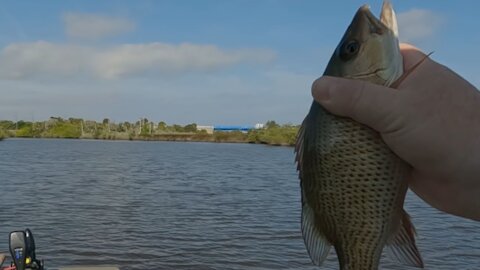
{"type": "Point", "coordinates": [170, 205]}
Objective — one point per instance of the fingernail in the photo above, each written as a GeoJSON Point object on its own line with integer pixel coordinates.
{"type": "Point", "coordinates": [321, 90]}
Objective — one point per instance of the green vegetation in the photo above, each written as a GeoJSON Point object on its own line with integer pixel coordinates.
{"type": "Point", "coordinates": [75, 128]}
{"type": "Point", "coordinates": [4, 127]}
{"type": "Point", "coordinates": [274, 134]}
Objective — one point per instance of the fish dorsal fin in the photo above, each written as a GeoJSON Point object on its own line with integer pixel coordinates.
{"type": "Point", "coordinates": [388, 17]}
{"type": "Point", "coordinates": [402, 246]}
{"type": "Point", "coordinates": [317, 245]}
{"type": "Point", "coordinates": [304, 143]}
{"type": "Point", "coordinates": [299, 147]}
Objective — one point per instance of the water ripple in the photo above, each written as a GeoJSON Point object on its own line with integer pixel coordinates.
{"type": "Point", "coordinates": [158, 205]}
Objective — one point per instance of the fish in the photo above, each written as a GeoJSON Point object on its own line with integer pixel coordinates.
{"type": "Point", "coordinates": [352, 185]}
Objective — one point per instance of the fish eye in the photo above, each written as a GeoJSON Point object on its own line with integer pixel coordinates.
{"type": "Point", "coordinates": [349, 49]}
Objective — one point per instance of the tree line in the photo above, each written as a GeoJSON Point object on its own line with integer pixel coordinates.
{"type": "Point", "coordinates": [143, 129]}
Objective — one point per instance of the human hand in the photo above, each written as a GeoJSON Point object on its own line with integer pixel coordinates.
{"type": "Point", "coordinates": [431, 121]}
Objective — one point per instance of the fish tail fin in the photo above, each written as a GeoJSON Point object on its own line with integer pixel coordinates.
{"type": "Point", "coordinates": [402, 246]}
{"type": "Point", "coordinates": [317, 245]}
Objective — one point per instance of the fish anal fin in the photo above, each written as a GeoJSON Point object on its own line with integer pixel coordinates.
{"type": "Point", "coordinates": [402, 245]}
{"type": "Point", "coordinates": [317, 245]}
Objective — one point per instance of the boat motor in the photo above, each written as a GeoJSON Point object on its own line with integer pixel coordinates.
{"type": "Point", "coordinates": [18, 246]}
{"type": "Point", "coordinates": [22, 250]}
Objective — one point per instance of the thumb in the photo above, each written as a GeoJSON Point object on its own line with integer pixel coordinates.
{"type": "Point", "coordinates": [370, 104]}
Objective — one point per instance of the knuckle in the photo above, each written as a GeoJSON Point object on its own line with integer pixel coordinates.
{"type": "Point", "coordinates": [357, 100]}
{"type": "Point", "coordinates": [315, 84]}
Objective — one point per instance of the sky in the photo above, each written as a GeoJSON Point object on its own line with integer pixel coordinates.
{"type": "Point", "coordinates": [200, 61]}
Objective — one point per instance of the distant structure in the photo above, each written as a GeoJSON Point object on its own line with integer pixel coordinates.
{"type": "Point", "coordinates": [208, 129]}
{"type": "Point", "coordinates": [211, 129]}
{"type": "Point", "coordinates": [231, 128]}
{"type": "Point", "coordinates": [259, 126]}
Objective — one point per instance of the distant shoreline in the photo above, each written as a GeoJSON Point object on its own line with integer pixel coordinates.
{"type": "Point", "coordinates": [145, 139]}
{"type": "Point", "coordinates": [270, 134]}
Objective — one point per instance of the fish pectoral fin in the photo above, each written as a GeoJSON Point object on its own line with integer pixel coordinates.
{"type": "Point", "coordinates": [402, 245]}
{"type": "Point", "coordinates": [317, 245]}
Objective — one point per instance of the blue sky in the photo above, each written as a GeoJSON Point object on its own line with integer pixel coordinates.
{"type": "Point", "coordinates": [208, 62]}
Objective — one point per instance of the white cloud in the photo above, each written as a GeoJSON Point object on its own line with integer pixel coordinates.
{"type": "Point", "coordinates": [167, 58]}
{"type": "Point", "coordinates": [24, 60]}
{"type": "Point", "coordinates": [93, 26]}
{"type": "Point", "coordinates": [418, 24]}
{"type": "Point", "coordinates": [45, 59]}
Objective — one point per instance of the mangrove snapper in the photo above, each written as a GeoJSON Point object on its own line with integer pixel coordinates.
{"type": "Point", "coordinates": [353, 186]}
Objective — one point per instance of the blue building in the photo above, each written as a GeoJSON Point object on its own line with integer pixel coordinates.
{"type": "Point", "coordinates": [232, 128]}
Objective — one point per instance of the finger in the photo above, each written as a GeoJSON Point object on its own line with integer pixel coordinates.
{"type": "Point", "coordinates": [370, 104]}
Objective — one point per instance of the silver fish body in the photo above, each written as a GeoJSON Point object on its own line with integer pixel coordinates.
{"type": "Point", "coordinates": [353, 186]}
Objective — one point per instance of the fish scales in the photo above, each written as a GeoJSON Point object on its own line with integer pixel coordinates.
{"type": "Point", "coordinates": [353, 186]}
{"type": "Point", "coordinates": [362, 187]}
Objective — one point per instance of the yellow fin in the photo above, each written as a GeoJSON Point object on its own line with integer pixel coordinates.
{"type": "Point", "coordinates": [317, 245]}
{"type": "Point", "coordinates": [402, 246]}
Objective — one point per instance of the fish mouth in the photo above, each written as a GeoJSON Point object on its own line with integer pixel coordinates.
{"type": "Point", "coordinates": [374, 24]}
{"type": "Point", "coordinates": [364, 24]}
{"type": "Point", "coordinates": [367, 74]}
